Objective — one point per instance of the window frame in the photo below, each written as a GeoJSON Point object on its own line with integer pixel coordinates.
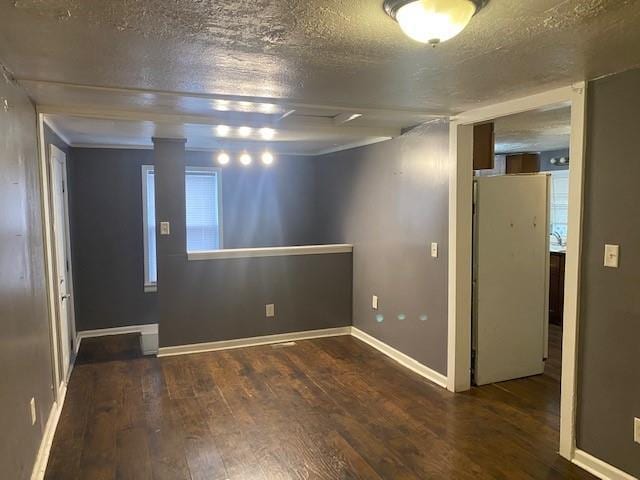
{"type": "Point", "coordinates": [145, 170]}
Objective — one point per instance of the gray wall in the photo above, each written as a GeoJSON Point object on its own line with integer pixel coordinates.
{"type": "Point", "coordinates": [391, 201]}
{"type": "Point", "coordinates": [609, 365]}
{"type": "Point", "coordinates": [204, 301]}
{"type": "Point", "coordinates": [262, 207]}
{"type": "Point", "coordinates": [106, 237]}
{"type": "Point", "coordinates": [25, 354]}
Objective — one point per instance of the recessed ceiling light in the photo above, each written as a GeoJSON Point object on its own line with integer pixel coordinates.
{"type": "Point", "coordinates": [245, 159]}
{"type": "Point", "coordinates": [223, 158]}
{"type": "Point", "coordinates": [222, 130]}
{"type": "Point", "coordinates": [244, 131]}
{"type": "Point", "coordinates": [267, 107]}
{"type": "Point", "coordinates": [267, 158]}
{"type": "Point", "coordinates": [267, 133]}
{"type": "Point", "coordinates": [432, 21]}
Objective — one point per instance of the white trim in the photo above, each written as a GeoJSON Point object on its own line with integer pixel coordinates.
{"type": "Point", "coordinates": [403, 359]}
{"type": "Point", "coordinates": [271, 251]}
{"type": "Point", "coordinates": [252, 341]}
{"type": "Point", "coordinates": [148, 329]}
{"type": "Point", "coordinates": [40, 464]}
{"type": "Point", "coordinates": [61, 135]}
{"type": "Point", "coordinates": [599, 468]}
{"type": "Point", "coordinates": [460, 244]}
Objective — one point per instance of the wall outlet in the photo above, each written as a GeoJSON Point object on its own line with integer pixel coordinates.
{"type": "Point", "coordinates": [611, 256]}
{"type": "Point", "coordinates": [434, 250]}
{"type": "Point", "coordinates": [636, 430]}
{"type": "Point", "coordinates": [374, 302]}
{"type": "Point", "coordinates": [34, 414]}
{"type": "Point", "coordinates": [165, 228]}
{"type": "Point", "coordinates": [270, 310]}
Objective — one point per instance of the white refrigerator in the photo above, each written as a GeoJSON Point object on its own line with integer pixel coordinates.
{"type": "Point", "coordinates": [510, 277]}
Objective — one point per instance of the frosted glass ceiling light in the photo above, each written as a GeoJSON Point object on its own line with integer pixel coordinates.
{"type": "Point", "coordinates": [244, 131]}
{"type": "Point", "coordinates": [432, 21]}
{"type": "Point", "coordinates": [222, 130]}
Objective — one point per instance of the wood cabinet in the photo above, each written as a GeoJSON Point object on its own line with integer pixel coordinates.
{"type": "Point", "coordinates": [556, 287]}
{"type": "Point", "coordinates": [483, 146]}
{"type": "Point", "coordinates": [523, 163]}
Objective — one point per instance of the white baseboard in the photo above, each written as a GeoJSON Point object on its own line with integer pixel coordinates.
{"type": "Point", "coordinates": [40, 465]}
{"type": "Point", "coordinates": [599, 468]}
{"type": "Point", "coordinates": [401, 358]}
{"type": "Point", "coordinates": [252, 341]}
{"type": "Point", "coordinates": [147, 329]}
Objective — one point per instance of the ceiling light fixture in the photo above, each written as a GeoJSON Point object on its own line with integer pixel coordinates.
{"type": "Point", "coordinates": [432, 21]}
{"type": "Point", "coordinates": [245, 159]}
{"type": "Point", "coordinates": [244, 131]}
{"type": "Point", "coordinates": [222, 130]}
{"type": "Point", "coordinates": [267, 158]}
{"type": "Point", "coordinates": [267, 133]}
{"type": "Point", "coordinates": [223, 158]}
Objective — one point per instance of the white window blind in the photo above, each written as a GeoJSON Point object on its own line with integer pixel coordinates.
{"type": "Point", "coordinates": [203, 225]}
{"type": "Point", "coordinates": [560, 202]}
{"type": "Point", "coordinates": [202, 215]}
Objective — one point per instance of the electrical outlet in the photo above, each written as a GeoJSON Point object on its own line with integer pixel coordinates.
{"type": "Point", "coordinates": [270, 310]}
{"type": "Point", "coordinates": [34, 415]}
{"type": "Point", "coordinates": [434, 250]}
{"type": "Point", "coordinates": [636, 430]}
{"type": "Point", "coordinates": [374, 302]}
{"type": "Point", "coordinates": [165, 228]}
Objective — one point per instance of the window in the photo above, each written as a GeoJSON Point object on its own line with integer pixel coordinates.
{"type": "Point", "coordinates": [202, 214]}
{"type": "Point", "coordinates": [559, 203]}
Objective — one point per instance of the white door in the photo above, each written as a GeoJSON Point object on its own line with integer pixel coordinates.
{"type": "Point", "coordinates": [511, 276]}
{"type": "Point", "coordinates": [62, 260]}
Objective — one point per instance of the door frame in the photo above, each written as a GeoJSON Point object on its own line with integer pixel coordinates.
{"type": "Point", "coordinates": [460, 244]}
{"type": "Point", "coordinates": [45, 159]}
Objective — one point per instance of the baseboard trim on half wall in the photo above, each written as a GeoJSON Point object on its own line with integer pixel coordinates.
{"type": "Point", "coordinates": [599, 468]}
{"type": "Point", "coordinates": [40, 465]}
{"type": "Point", "coordinates": [401, 358]}
{"type": "Point", "coordinates": [252, 341]}
{"type": "Point", "coordinates": [148, 335]}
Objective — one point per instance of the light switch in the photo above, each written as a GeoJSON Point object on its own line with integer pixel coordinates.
{"type": "Point", "coordinates": [270, 310]}
{"type": "Point", "coordinates": [165, 228]}
{"type": "Point", "coordinates": [636, 430]}
{"type": "Point", "coordinates": [611, 255]}
{"type": "Point", "coordinates": [434, 250]}
{"type": "Point", "coordinates": [374, 302]}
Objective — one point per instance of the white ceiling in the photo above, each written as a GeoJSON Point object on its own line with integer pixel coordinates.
{"type": "Point", "coordinates": [143, 60]}
{"type": "Point", "coordinates": [534, 131]}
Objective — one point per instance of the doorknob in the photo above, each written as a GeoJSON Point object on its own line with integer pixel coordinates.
{"type": "Point", "coordinates": [65, 296]}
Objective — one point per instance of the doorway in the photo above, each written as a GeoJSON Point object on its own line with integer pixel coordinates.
{"type": "Point", "coordinates": [461, 245]}
{"type": "Point", "coordinates": [62, 273]}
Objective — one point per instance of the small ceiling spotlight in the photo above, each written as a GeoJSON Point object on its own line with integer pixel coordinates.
{"type": "Point", "coordinates": [222, 130]}
{"type": "Point", "coordinates": [553, 161]}
{"type": "Point", "coordinates": [245, 131]}
{"type": "Point", "coordinates": [563, 160]}
{"type": "Point", "coordinates": [432, 21]}
{"type": "Point", "coordinates": [267, 158]}
{"type": "Point", "coordinates": [267, 133]}
{"type": "Point", "coordinates": [223, 158]}
{"type": "Point", "coordinates": [245, 159]}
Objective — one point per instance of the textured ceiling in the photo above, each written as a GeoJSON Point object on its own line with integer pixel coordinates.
{"type": "Point", "coordinates": [534, 131]}
{"type": "Point", "coordinates": [337, 52]}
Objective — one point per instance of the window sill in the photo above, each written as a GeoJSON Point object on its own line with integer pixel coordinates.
{"type": "Point", "coordinates": [150, 288]}
{"type": "Point", "coordinates": [270, 252]}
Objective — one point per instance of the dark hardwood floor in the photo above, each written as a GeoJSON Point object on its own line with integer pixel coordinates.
{"type": "Point", "coordinates": [330, 408]}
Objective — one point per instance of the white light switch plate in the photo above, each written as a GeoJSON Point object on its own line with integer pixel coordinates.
{"type": "Point", "coordinates": [374, 302]}
{"type": "Point", "coordinates": [434, 250]}
{"type": "Point", "coordinates": [270, 310]}
{"type": "Point", "coordinates": [32, 407]}
{"type": "Point", "coordinates": [636, 430]}
{"type": "Point", "coordinates": [165, 228]}
{"type": "Point", "coordinates": [611, 255]}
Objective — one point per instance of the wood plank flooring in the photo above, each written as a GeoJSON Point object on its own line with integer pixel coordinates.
{"type": "Point", "coordinates": [330, 408]}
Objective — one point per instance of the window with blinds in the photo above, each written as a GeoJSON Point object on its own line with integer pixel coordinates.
{"type": "Point", "coordinates": [560, 203]}
{"type": "Point", "coordinates": [202, 215]}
